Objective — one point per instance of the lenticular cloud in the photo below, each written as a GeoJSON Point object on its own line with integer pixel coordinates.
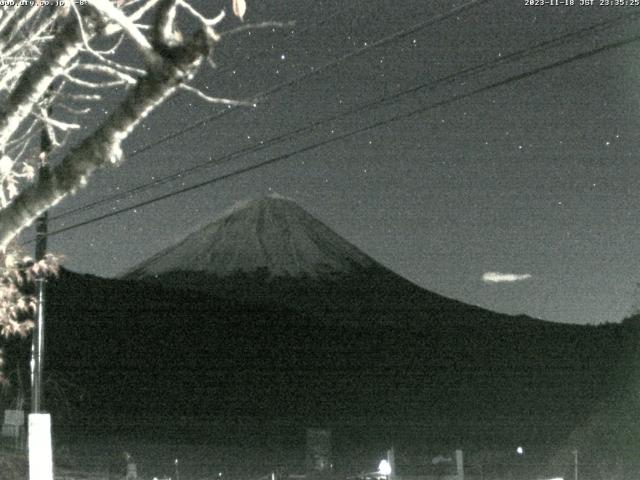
{"type": "Point", "coordinates": [497, 277]}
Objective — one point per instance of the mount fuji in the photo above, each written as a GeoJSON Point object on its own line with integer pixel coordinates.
{"type": "Point", "coordinates": [272, 234]}
{"type": "Point", "coordinates": [271, 249]}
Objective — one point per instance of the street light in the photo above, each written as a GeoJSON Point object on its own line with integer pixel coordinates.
{"type": "Point", "coordinates": [384, 468]}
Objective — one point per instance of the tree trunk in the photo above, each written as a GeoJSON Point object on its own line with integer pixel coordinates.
{"type": "Point", "coordinates": [175, 66]}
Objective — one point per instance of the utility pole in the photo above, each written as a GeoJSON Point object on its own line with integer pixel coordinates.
{"type": "Point", "coordinates": [37, 340]}
{"type": "Point", "coordinates": [575, 464]}
{"type": "Point", "coordinates": [40, 451]}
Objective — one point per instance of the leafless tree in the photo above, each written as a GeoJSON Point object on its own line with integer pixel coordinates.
{"type": "Point", "coordinates": [56, 62]}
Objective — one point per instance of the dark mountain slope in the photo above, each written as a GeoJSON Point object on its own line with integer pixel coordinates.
{"type": "Point", "coordinates": [332, 338]}
{"type": "Point", "coordinates": [272, 250]}
{"type": "Point", "coordinates": [139, 349]}
{"type": "Point", "coordinates": [272, 234]}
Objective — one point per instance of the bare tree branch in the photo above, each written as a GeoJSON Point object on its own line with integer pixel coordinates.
{"type": "Point", "coordinates": [36, 78]}
{"type": "Point", "coordinates": [210, 99]}
{"type": "Point", "coordinates": [104, 145]}
{"type": "Point", "coordinates": [49, 57]}
{"type": "Point", "coordinates": [128, 27]}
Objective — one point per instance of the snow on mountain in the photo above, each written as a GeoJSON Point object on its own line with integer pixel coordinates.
{"type": "Point", "coordinates": [272, 233]}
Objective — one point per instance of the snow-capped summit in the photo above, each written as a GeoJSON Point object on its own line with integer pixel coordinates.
{"type": "Point", "coordinates": [271, 234]}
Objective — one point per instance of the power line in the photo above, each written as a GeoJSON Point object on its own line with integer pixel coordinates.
{"type": "Point", "coordinates": [513, 78]}
{"type": "Point", "coordinates": [315, 71]}
{"type": "Point", "coordinates": [265, 54]}
{"type": "Point", "coordinates": [336, 13]}
{"type": "Point", "coordinates": [383, 41]}
{"type": "Point", "coordinates": [465, 73]}
{"type": "Point", "coordinates": [215, 116]}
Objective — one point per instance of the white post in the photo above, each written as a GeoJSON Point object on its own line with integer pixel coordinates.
{"type": "Point", "coordinates": [460, 464]}
{"type": "Point", "coordinates": [391, 458]}
{"type": "Point", "coordinates": [40, 456]}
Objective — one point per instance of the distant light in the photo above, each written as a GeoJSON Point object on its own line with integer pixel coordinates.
{"type": "Point", "coordinates": [499, 277]}
{"type": "Point", "coordinates": [520, 450]}
{"type": "Point", "coordinates": [384, 468]}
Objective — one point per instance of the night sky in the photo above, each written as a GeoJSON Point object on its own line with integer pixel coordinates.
{"type": "Point", "coordinates": [537, 177]}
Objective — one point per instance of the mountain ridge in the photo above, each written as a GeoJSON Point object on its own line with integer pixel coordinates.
{"type": "Point", "coordinates": [328, 277]}
{"type": "Point", "coordinates": [328, 344]}
{"type": "Point", "coordinates": [271, 233]}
